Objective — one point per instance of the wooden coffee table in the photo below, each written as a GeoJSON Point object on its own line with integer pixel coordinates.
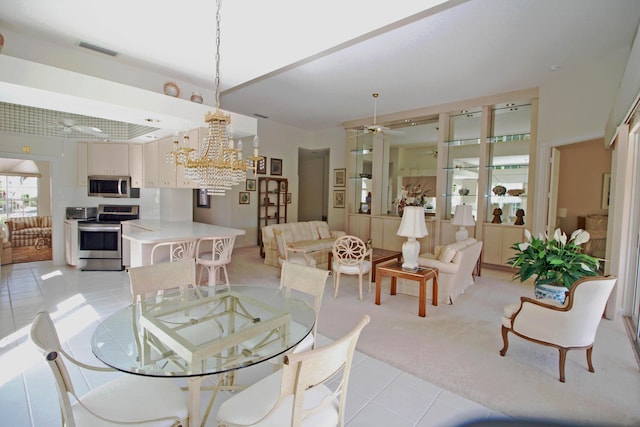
{"type": "Point", "coordinates": [422, 275]}
{"type": "Point", "coordinates": [378, 256]}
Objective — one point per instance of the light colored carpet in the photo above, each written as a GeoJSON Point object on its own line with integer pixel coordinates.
{"type": "Point", "coordinates": [456, 347]}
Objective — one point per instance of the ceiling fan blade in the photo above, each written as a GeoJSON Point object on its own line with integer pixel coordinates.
{"type": "Point", "coordinates": [90, 130]}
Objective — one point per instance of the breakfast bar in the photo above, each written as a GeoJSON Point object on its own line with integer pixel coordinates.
{"type": "Point", "coordinates": [140, 236]}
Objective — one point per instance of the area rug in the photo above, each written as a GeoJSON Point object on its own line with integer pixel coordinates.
{"type": "Point", "coordinates": [456, 347]}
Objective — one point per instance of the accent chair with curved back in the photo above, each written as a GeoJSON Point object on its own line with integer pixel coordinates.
{"type": "Point", "coordinates": [297, 393]}
{"type": "Point", "coordinates": [214, 258]}
{"type": "Point", "coordinates": [351, 256]}
{"type": "Point", "coordinates": [127, 400]}
{"type": "Point", "coordinates": [173, 251]}
{"type": "Point", "coordinates": [568, 326]}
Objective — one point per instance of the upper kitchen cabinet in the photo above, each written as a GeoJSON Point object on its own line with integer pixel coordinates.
{"type": "Point", "coordinates": [150, 164]}
{"type": "Point", "coordinates": [105, 158]}
{"type": "Point", "coordinates": [166, 171]}
{"type": "Point", "coordinates": [136, 165]}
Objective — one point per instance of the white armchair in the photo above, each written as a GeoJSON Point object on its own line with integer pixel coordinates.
{"type": "Point", "coordinates": [456, 264]}
{"type": "Point", "coordinates": [565, 326]}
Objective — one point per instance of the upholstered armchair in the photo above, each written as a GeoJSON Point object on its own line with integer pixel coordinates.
{"type": "Point", "coordinates": [567, 326]}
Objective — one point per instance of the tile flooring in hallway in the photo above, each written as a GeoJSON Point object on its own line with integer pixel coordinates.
{"type": "Point", "coordinates": [379, 394]}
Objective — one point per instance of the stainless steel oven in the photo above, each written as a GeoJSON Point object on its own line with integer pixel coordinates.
{"type": "Point", "coordinates": [100, 240]}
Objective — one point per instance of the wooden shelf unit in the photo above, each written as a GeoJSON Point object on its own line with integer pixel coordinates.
{"type": "Point", "coordinates": [272, 204]}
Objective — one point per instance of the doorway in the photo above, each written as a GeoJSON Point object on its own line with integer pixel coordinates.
{"type": "Point", "coordinates": [313, 184]}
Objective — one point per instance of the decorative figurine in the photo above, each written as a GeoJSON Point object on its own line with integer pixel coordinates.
{"type": "Point", "coordinates": [497, 212]}
{"type": "Point", "coordinates": [520, 217]}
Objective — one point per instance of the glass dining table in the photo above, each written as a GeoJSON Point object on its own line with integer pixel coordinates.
{"type": "Point", "coordinates": [198, 332]}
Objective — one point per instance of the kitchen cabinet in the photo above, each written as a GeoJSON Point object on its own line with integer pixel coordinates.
{"type": "Point", "coordinates": [135, 165]}
{"type": "Point", "coordinates": [150, 164]}
{"type": "Point", "coordinates": [498, 239]}
{"type": "Point", "coordinates": [107, 158]}
{"type": "Point", "coordinates": [82, 154]}
{"type": "Point", "coordinates": [71, 241]}
{"type": "Point", "coordinates": [272, 204]}
{"type": "Point", "coordinates": [166, 171]}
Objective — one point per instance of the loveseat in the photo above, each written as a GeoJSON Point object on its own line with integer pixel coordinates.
{"type": "Point", "coordinates": [314, 237]}
{"type": "Point", "coordinates": [456, 263]}
{"type": "Point", "coordinates": [26, 231]}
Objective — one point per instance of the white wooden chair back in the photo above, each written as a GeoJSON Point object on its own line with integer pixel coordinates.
{"type": "Point", "coordinates": [173, 251]}
{"type": "Point", "coordinates": [152, 280]}
{"type": "Point", "coordinates": [309, 280]}
{"type": "Point", "coordinates": [303, 371]}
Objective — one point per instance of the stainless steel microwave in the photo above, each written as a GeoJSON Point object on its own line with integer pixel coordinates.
{"type": "Point", "coordinates": [111, 186]}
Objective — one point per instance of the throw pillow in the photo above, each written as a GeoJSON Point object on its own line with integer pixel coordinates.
{"type": "Point", "coordinates": [449, 252]}
{"type": "Point", "coordinates": [324, 231]}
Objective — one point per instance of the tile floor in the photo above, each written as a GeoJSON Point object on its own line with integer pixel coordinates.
{"type": "Point", "coordinates": [379, 394]}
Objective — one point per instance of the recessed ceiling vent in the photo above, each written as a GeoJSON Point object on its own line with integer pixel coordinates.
{"type": "Point", "coordinates": [98, 49]}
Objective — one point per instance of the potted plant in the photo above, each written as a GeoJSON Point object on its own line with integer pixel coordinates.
{"type": "Point", "coordinates": [556, 262]}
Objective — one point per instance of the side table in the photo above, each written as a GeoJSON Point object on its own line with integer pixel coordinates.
{"type": "Point", "coordinates": [422, 275]}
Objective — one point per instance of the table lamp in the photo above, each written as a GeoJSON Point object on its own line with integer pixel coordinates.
{"type": "Point", "coordinates": [412, 226]}
{"type": "Point", "coordinates": [464, 218]}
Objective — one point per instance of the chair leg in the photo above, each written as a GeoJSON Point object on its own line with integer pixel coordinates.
{"type": "Point", "coordinates": [589, 362]}
{"type": "Point", "coordinates": [336, 284]}
{"type": "Point", "coordinates": [563, 358]}
{"type": "Point", "coordinates": [360, 285]}
{"type": "Point", "coordinates": [212, 275]}
{"type": "Point", "coordinates": [226, 276]}
{"type": "Point", "coordinates": [505, 341]}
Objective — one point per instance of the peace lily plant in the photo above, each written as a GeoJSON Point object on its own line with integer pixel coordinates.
{"type": "Point", "coordinates": [556, 261]}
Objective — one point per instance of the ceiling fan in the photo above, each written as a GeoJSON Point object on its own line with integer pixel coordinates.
{"type": "Point", "coordinates": [376, 128]}
{"type": "Point", "coordinates": [69, 125]}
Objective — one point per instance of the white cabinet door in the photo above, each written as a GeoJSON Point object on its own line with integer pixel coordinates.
{"type": "Point", "coordinates": [150, 164]}
{"type": "Point", "coordinates": [71, 242]}
{"type": "Point", "coordinates": [135, 165]}
{"type": "Point", "coordinates": [82, 155]}
{"type": "Point", "coordinates": [166, 171]}
{"type": "Point", "coordinates": [498, 240]}
{"type": "Point", "coordinates": [108, 159]}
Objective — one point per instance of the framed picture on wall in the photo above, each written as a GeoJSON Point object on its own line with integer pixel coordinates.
{"type": "Point", "coordinates": [244, 198]}
{"type": "Point", "coordinates": [251, 185]}
{"type": "Point", "coordinates": [204, 200]}
{"type": "Point", "coordinates": [338, 198]}
{"type": "Point", "coordinates": [262, 166]}
{"type": "Point", "coordinates": [339, 177]}
{"type": "Point", "coordinates": [288, 198]}
{"type": "Point", "coordinates": [283, 186]}
{"type": "Point", "coordinates": [276, 166]}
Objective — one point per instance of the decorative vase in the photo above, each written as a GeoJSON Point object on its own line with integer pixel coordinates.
{"type": "Point", "coordinates": [196, 97]}
{"type": "Point", "coordinates": [556, 293]}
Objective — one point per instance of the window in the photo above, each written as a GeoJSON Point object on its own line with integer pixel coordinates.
{"type": "Point", "coordinates": [18, 196]}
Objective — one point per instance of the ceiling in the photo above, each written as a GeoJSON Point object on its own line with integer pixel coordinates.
{"type": "Point", "coordinates": [315, 66]}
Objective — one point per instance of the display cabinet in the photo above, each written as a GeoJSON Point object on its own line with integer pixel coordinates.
{"type": "Point", "coordinates": [462, 161]}
{"type": "Point", "coordinates": [360, 170]}
{"type": "Point", "coordinates": [272, 204]}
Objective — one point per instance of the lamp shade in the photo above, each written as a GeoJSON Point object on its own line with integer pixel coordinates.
{"type": "Point", "coordinates": [412, 224]}
{"type": "Point", "coordinates": [562, 212]}
{"type": "Point", "coordinates": [463, 216]}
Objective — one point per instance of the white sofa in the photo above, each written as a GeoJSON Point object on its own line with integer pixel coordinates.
{"type": "Point", "coordinates": [313, 236]}
{"type": "Point", "coordinates": [456, 263]}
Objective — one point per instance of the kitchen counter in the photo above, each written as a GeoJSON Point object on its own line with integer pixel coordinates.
{"type": "Point", "coordinates": [140, 235]}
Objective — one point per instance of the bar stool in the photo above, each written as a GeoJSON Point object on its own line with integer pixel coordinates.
{"type": "Point", "coordinates": [177, 250]}
{"type": "Point", "coordinates": [214, 258]}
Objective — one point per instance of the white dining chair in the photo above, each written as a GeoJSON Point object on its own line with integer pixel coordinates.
{"type": "Point", "coordinates": [176, 250]}
{"type": "Point", "coordinates": [350, 256]}
{"type": "Point", "coordinates": [297, 393]}
{"type": "Point", "coordinates": [127, 400]}
{"type": "Point", "coordinates": [213, 254]}
{"type": "Point", "coordinates": [153, 280]}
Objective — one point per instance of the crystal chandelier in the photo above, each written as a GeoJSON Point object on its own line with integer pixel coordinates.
{"type": "Point", "coordinates": [218, 165]}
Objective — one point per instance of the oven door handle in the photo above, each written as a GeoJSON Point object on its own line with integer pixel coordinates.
{"type": "Point", "coordinates": [101, 228]}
